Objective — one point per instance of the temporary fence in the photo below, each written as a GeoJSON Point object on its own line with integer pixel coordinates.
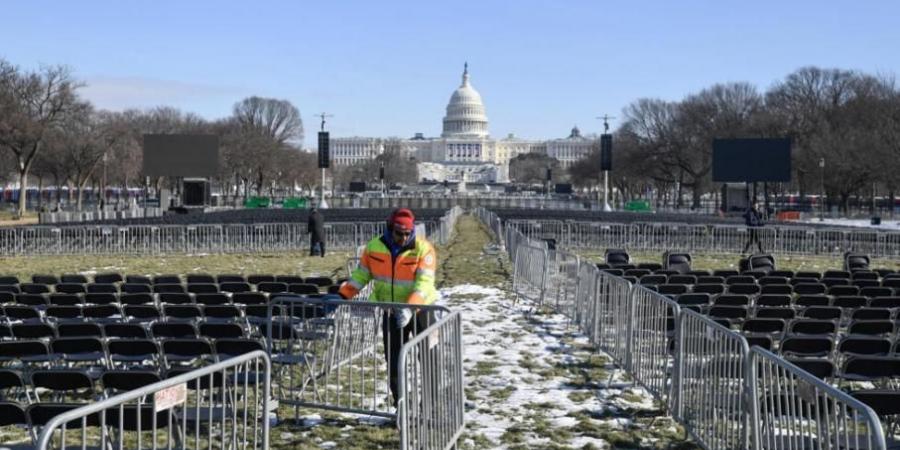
{"type": "Point", "coordinates": [196, 239]}
{"type": "Point", "coordinates": [612, 314]}
{"type": "Point", "coordinates": [657, 236]}
{"type": "Point", "coordinates": [431, 404]}
{"type": "Point", "coordinates": [792, 409]}
{"type": "Point", "coordinates": [712, 382]}
{"type": "Point", "coordinates": [330, 354]}
{"type": "Point", "coordinates": [561, 290]}
{"type": "Point", "coordinates": [223, 405]}
{"type": "Point", "coordinates": [726, 395]}
{"type": "Point", "coordinates": [531, 272]}
{"type": "Point", "coordinates": [651, 353]}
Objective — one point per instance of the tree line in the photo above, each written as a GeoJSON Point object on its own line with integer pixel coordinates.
{"type": "Point", "coordinates": [50, 135]}
{"type": "Point", "coordinates": [847, 119]}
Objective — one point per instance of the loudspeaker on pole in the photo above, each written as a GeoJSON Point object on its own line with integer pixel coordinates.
{"type": "Point", "coordinates": [324, 154]}
{"type": "Point", "coordinates": [605, 152]}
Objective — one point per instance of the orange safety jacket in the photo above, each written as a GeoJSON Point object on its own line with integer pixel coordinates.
{"type": "Point", "coordinates": [406, 278]}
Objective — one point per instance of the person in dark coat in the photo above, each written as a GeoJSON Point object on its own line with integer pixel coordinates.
{"type": "Point", "coordinates": [754, 221]}
{"type": "Point", "coordinates": [316, 229]}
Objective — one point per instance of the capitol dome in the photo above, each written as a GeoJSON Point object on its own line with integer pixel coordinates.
{"type": "Point", "coordinates": [465, 112]}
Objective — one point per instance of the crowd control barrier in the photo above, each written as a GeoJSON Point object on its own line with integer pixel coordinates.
{"type": "Point", "coordinates": [725, 394]}
{"type": "Point", "coordinates": [223, 405]}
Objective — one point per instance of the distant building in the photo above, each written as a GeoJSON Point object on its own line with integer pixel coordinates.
{"type": "Point", "coordinates": [465, 147]}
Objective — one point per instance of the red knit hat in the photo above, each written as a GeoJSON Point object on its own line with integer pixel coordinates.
{"type": "Point", "coordinates": [403, 219]}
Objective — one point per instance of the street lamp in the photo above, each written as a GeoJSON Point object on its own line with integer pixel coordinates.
{"type": "Point", "coordinates": [822, 180]}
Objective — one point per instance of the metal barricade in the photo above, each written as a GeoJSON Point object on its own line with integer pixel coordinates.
{"type": "Point", "coordinates": [795, 241]}
{"type": "Point", "coordinates": [661, 235]}
{"type": "Point", "coordinates": [562, 282]}
{"type": "Point", "coordinates": [431, 406]}
{"type": "Point", "coordinates": [223, 405]}
{"type": "Point", "coordinates": [831, 242]}
{"type": "Point", "coordinates": [792, 409]}
{"type": "Point", "coordinates": [888, 245]}
{"type": "Point", "coordinates": [652, 338]}
{"type": "Point", "coordinates": [344, 236]}
{"type": "Point", "coordinates": [10, 241]}
{"type": "Point", "coordinates": [862, 241]}
{"type": "Point", "coordinates": [530, 273]}
{"type": "Point", "coordinates": [585, 293]}
{"type": "Point", "coordinates": [330, 354]}
{"type": "Point", "coordinates": [712, 383]}
{"type": "Point", "coordinates": [733, 239]}
{"type": "Point", "coordinates": [612, 316]}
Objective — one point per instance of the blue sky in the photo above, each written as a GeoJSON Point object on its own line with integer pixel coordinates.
{"type": "Point", "coordinates": [388, 68]}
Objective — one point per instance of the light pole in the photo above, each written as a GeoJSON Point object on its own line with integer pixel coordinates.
{"type": "Point", "coordinates": [822, 180]}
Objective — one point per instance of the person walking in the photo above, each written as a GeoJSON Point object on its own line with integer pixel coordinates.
{"type": "Point", "coordinates": [401, 267]}
{"type": "Point", "coordinates": [754, 221]}
{"type": "Point", "coordinates": [316, 230]}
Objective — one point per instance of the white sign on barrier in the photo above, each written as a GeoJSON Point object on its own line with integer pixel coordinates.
{"type": "Point", "coordinates": [169, 397]}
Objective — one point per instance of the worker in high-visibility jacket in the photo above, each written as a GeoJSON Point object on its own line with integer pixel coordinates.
{"type": "Point", "coordinates": [401, 267]}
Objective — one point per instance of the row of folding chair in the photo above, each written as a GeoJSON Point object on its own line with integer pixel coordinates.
{"type": "Point", "coordinates": [701, 300]}
{"type": "Point", "coordinates": [256, 309]}
{"type": "Point", "coordinates": [786, 289]}
{"type": "Point", "coordinates": [96, 355]}
{"type": "Point", "coordinates": [115, 278]}
{"type": "Point", "coordinates": [192, 288]}
{"type": "Point", "coordinates": [128, 330]}
{"type": "Point", "coordinates": [777, 327]}
{"type": "Point", "coordinates": [728, 273]}
{"type": "Point", "coordinates": [736, 314]}
{"type": "Point", "coordinates": [135, 313]}
{"type": "Point", "coordinates": [142, 298]}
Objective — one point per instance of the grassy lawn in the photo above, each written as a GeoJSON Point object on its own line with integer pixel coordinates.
{"type": "Point", "coordinates": [8, 218]}
{"type": "Point", "coordinates": [281, 264]}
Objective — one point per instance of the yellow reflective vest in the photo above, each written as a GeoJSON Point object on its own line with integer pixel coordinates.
{"type": "Point", "coordinates": [406, 278]}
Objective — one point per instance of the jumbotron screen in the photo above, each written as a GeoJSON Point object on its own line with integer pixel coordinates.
{"type": "Point", "coordinates": [751, 160]}
{"type": "Point", "coordinates": [181, 155]}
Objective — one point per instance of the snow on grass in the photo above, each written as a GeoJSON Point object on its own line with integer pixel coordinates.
{"type": "Point", "coordinates": [533, 381]}
{"type": "Point", "coordinates": [861, 223]}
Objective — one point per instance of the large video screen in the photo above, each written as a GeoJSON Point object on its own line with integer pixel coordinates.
{"type": "Point", "coordinates": [751, 160]}
{"type": "Point", "coordinates": [181, 155]}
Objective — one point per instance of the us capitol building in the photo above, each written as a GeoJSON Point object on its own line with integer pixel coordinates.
{"type": "Point", "coordinates": [465, 149]}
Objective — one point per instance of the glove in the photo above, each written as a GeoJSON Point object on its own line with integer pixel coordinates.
{"type": "Point", "coordinates": [402, 316]}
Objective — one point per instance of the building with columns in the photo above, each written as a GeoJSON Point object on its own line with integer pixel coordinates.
{"type": "Point", "coordinates": [465, 148]}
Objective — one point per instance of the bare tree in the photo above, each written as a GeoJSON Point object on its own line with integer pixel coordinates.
{"type": "Point", "coordinates": [399, 166]}
{"type": "Point", "coordinates": [263, 127]}
{"type": "Point", "coordinates": [30, 104]}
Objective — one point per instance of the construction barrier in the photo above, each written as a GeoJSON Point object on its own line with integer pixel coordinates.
{"type": "Point", "coordinates": [223, 405]}
{"type": "Point", "coordinates": [431, 406]}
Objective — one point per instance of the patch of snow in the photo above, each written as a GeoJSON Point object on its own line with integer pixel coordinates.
{"type": "Point", "coordinates": [311, 420]}
{"type": "Point", "coordinates": [859, 223]}
{"type": "Point", "coordinates": [522, 367]}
